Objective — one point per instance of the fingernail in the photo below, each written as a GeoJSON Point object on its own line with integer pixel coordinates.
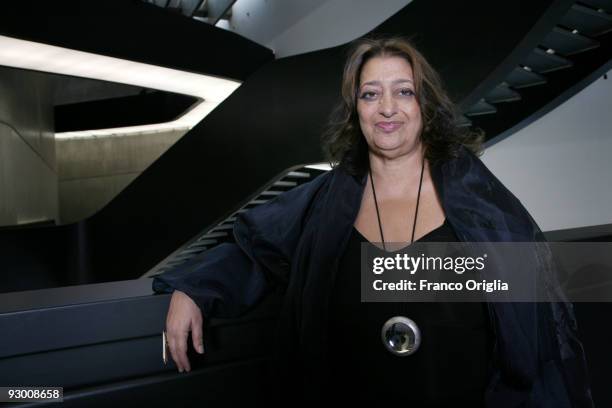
{"type": "Point", "coordinates": [201, 348]}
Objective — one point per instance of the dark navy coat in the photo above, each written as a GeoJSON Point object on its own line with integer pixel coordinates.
{"type": "Point", "coordinates": [293, 244]}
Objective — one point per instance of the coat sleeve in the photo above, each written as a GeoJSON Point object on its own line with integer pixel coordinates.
{"type": "Point", "coordinates": [227, 280]}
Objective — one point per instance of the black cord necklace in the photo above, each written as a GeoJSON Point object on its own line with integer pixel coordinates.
{"type": "Point", "coordinates": [416, 212]}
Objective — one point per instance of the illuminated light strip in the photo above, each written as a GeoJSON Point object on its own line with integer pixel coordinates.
{"type": "Point", "coordinates": [319, 166]}
{"type": "Point", "coordinates": [122, 132]}
{"type": "Point", "coordinates": [210, 90]}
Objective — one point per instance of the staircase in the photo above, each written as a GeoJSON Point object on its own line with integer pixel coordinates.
{"type": "Point", "coordinates": [577, 48]}
{"type": "Point", "coordinates": [222, 231]}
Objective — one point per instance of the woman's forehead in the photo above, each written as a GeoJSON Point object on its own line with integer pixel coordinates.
{"type": "Point", "coordinates": [381, 70]}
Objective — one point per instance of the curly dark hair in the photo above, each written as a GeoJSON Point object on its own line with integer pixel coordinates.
{"type": "Point", "coordinates": [343, 142]}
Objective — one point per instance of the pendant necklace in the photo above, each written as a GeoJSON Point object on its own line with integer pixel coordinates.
{"type": "Point", "coordinates": [400, 335]}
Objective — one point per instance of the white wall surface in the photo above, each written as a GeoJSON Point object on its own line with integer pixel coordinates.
{"type": "Point", "coordinates": [291, 27]}
{"type": "Point", "coordinates": [560, 166]}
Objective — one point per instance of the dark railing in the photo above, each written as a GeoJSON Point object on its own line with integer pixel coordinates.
{"type": "Point", "coordinates": [103, 344]}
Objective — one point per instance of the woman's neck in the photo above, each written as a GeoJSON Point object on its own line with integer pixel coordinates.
{"type": "Point", "coordinates": [398, 176]}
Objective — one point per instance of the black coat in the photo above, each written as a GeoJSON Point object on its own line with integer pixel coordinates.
{"type": "Point", "coordinates": [294, 242]}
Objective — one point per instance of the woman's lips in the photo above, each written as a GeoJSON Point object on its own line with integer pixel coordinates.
{"type": "Point", "coordinates": [388, 127]}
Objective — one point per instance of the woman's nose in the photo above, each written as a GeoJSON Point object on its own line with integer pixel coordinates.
{"type": "Point", "coordinates": [387, 106]}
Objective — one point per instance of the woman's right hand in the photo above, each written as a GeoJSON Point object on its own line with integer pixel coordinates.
{"type": "Point", "coordinates": [183, 315]}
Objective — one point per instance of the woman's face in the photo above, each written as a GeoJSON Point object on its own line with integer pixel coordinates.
{"type": "Point", "coordinates": [389, 113]}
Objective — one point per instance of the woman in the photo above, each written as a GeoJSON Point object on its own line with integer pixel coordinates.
{"type": "Point", "coordinates": [406, 173]}
{"type": "Point", "coordinates": [393, 104]}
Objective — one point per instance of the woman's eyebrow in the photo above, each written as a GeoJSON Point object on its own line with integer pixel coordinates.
{"type": "Point", "coordinates": [396, 81]}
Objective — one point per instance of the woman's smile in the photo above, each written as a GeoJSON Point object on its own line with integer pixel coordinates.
{"type": "Point", "coordinates": [389, 127]}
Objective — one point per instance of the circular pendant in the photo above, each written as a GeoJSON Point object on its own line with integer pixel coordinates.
{"type": "Point", "coordinates": [401, 336]}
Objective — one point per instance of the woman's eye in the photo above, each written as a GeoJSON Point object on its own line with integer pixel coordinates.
{"type": "Point", "coordinates": [368, 95]}
{"type": "Point", "coordinates": [406, 92]}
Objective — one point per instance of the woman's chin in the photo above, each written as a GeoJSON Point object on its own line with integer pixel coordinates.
{"type": "Point", "coordinates": [388, 145]}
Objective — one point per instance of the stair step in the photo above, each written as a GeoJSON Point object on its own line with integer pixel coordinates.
{"type": "Point", "coordinates": [298, 174]}
{"type": "Point", "coordinates": [271, 193]}
{"type": "Point", "coordinates": [189, 251]}
{"type": "Point", "coordinates": [223, 227]}
{"type": "Point", "coordinates": [565, 42]}
{"type": "Point", "coordinates": [587, 21]}
{"type": "Point", "coordinates": [605, 5]}
{"type": "Point", "coordinates": [541, 61]}
{"type": "Point", "coordinates": [319, 167]}
{"type": "Point", "coordinates": [502, 93]}
{"type": "Point", "coordinates": [522, 78]}
{"type": "Point", "coordinates": [282, 183]}
{"type": "Point", "coordinates": [203, 241]}
{"type": "Point", "coordinates": [480, 108]}
{"type": "Point", "coordinates": [257, 202]}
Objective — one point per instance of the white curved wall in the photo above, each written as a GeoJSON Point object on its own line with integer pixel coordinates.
{"type": "Point", "coordinates": [291, 27]}
{"type": "Point", "coordinates": [560, 166]}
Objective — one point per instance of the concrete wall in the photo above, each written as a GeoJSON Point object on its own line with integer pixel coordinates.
{"type": "Point", "coordinates": [560, 165]}
{"type": "Point", "coordinates": [92, 171]}
{"type": "Point", "coordinates": [28, 176]}
{"type": "Point", "coordinates": [64, 180]}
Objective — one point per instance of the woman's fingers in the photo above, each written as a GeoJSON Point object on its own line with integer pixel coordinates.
{"type": "Point", "coordinates": [182, 351]}
{"type": "Point", "coordinates": [177, 342]}
{"type": "Point", "coordinates": [196, 334]}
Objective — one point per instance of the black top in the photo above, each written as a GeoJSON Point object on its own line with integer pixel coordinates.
{"type": "Point", "coordinates": [450, 365]}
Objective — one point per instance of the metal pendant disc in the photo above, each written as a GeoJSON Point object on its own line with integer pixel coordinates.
{"type": "Point", "coordinates": [401, 336]}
